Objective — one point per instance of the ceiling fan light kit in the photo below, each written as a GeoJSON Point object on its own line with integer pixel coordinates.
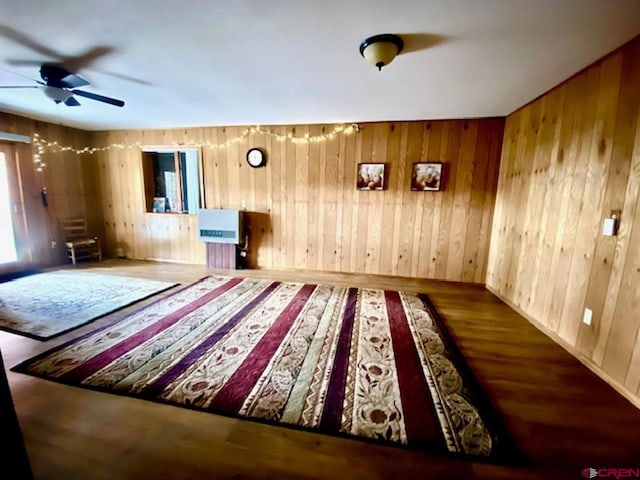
{"type": "Point", "coordinates": [57, 94]}
{"type": "Point", "coordinates": [380, 50]}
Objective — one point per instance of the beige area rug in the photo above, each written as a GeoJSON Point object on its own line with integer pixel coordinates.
{"type": "Point", "coordinates": [44, 305]}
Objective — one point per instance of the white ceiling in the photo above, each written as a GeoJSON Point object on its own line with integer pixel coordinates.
{"type": "Point", "coordinates": [240, 62]}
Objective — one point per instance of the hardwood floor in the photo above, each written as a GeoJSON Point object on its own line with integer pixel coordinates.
{"type": "Point", "coordinates": [561, 416]}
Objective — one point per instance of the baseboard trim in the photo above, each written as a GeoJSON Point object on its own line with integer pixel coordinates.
{"type": "Point", "coordinates": [587, 362]}
{"type": "Point", "coordinates": [169, 260]}
{"type": "Point", "coordinates": [384, 276]}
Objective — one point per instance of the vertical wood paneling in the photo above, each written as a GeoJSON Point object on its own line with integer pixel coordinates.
{"type": "Point", "coordinates": [347, 149]}
{"type": "Point", "coordinates": [329, 205]}
{"type": "Point", "coordinates": [305, 212]}
{"type": "Point", "coordinates": [548, 176]}
{"type": "Point", "coordinates": [568, 159]}
{"type": "Point", "coordinates": [462, 206]}
{"type": "Point", "coordinates": [376, 227]}
{"type": "Point", "coordinates": [488, 202]}
{"type": "Point", "coordinates": [70, 183]}
{"type": "Point", "coordinates": [587, 202]}
{"type": "Point", "coordinates": [407, 205]}
{"type": "Point", "coordinates": [430, 150]}
{"type": "Point", "coordinates": [421, 145]}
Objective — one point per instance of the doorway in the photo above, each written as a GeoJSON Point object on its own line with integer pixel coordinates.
{"type": "Point", "coordinates": [8, 206]}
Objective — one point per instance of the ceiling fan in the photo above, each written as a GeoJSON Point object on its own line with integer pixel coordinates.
{"type": "Point", "coordinates": [60, 85]}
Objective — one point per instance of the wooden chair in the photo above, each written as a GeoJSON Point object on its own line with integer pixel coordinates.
{"type": "Point", "coordinates": [78, 244]}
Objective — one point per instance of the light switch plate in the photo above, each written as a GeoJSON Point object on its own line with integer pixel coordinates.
{"type": "Point", "coordinates": [587, 316]}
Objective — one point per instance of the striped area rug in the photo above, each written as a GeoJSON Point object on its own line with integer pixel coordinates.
{"type": "Point", "coordinates": [359, 362]}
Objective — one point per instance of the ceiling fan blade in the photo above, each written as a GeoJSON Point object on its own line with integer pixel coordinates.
{"type": "Point", "coordinates": [25, 63]}
{"type": "Point", "coordinates": [72, 81]}
{"type": "Point", "coordinates": [122, 77]}
{"type": "Point", "coordinates": [99, 98]}
{"type": "Point", "coordinates": [87, 58]}
{"type": "Point", "coordinates": [72, 102]}
{"type": "Point", "coordinates": [19, 86]}
{"type": "Point", "coordinates": [28, 42]}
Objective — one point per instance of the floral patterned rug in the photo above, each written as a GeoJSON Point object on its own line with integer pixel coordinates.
{"type": "Point", "coordinates": [44, 305]}
{"type": "Point", "coordinates": [373, 364]}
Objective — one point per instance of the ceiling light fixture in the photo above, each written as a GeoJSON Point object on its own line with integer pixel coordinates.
{"type": "Point", "coordinates": [380, 50]}
{"type": "Point", "coordinates": [58, 95]}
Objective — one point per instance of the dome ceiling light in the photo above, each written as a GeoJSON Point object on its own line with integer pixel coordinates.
{"type": "Point", "coordinates": [380, 50]}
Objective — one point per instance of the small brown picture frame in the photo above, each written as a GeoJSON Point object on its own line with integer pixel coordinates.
{"type": "Point", "coordinates": [426, 176]}
{"type": "Point", "coordinates": [370, 176]}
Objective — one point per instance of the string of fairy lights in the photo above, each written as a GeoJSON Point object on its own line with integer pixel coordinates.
{"type": "Point", "coordinates": [42, 145]}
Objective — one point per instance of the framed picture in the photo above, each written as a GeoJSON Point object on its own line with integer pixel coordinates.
{"type": "Point", "coordinates": [370, 176]}
{"type": "Point", "coordinates": [426, 176]}
{"type": "Point", "coordinates": [159, 204]}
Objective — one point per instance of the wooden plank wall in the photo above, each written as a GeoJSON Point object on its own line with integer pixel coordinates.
{"type": "Point", "coordinates": [568, 159]}
{"type": "Point", "coordinates": [303, 208]}
{"type": "Point", "coordinates": [71, 188]}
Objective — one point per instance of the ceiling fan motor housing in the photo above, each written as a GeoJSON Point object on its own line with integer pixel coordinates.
{"type": "Point", "coordinates": [52, 74]}
{"type": "Point", "coordinates": [56, 75]}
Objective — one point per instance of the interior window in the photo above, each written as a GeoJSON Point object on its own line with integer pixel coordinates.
{"type": "Point", "coordinates": [171, 180]}
{"type": "Point", "coordinates": [8, 252]}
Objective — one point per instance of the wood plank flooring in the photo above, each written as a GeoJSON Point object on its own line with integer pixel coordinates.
{"type": "Point", "coordinates": [559, 413]}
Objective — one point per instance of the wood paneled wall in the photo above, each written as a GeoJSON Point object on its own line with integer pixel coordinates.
{"type": "Point", "coordinates": [304, 210]}
{"type": "Point", "coordinates": [71, 185]}
{"type": "Point", "coordinates": [568, 159]}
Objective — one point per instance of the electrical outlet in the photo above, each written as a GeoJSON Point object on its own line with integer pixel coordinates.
{"type": "Point", "coordinates": [587, 316]}
{"type": "Point", "coordinates": [54, 244]}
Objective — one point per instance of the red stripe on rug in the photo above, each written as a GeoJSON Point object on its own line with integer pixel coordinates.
{"type": "Point", "coordinates": [231, 397]}
{"type": "Point", "coordinates": [156, 388]}
{"type": "Point", "coordinates": [103, 359]}
{"type": "Point", "coordinates": [419, 420]}
{"type": "Point", "coordinates": [333, 406]}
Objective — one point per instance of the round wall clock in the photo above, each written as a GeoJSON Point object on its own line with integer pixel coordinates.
{"type": "Point", "coordinates": [255, 158]}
